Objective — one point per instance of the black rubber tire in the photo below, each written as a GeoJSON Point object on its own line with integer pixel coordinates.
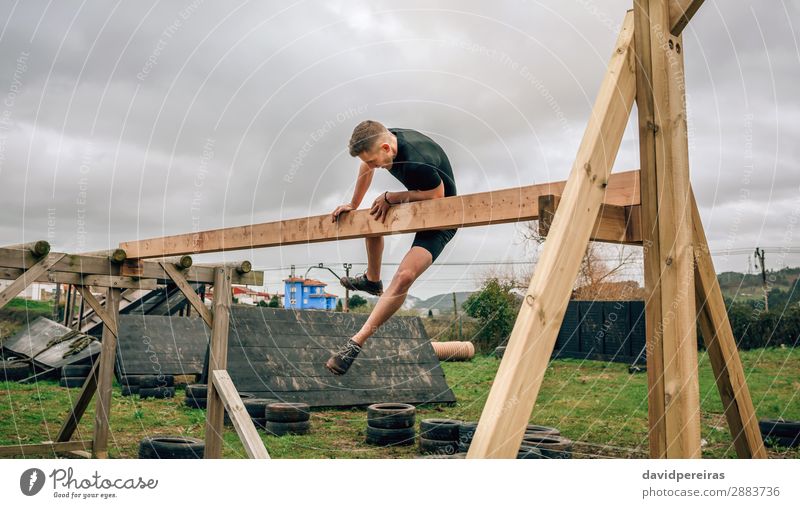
{"type": "Point", "coordinates": [403, 436]}
{"type": "Point", "coordinates": [463, 447]}
{"type": "Point", "coordinates": [167, 447]}
{"type": "Point", "coordinates": [542, 431]}
{"type": "Point", "coordinates": [71, 382]}
{"type": "Point", "coordinates": [390, 415]}
{"type": "Point", "coordinates": [14, 371]}
{"type": "Point", "coordinates": [257, 407]}
{"type": "Point", "coordinates": [260, 423]}
{"type": "Point", "coordinates": [437, 446]}
{"type": "Point", "coordinates": [282, 428]}
{"type": "Point", "coordinates": [127, 391]}
{"type": "Point", "coordinates": [459, 455]}
{"type": "Point", "coordinates": [197, 391]}
{"type": "Point", "coordinates": [131, 380]}
{"type": "Point", "coordinates": [195, 403]}
{"type": "Point", "coordinates": [287, 412]}
{"type": "Point", "coordinates": [466, 431]}
{"type": "Point", "coordinates": [550, 447]}
{"type": "Point", "coordinates": [787, 442]}
{"type": "Point", "coordinates": [247, 395]}
{"type": "Point", "coordinates": [439, 429]}
{"type": "Point", "coordinates": [163, 392]}
{"type": "Point", "coordinates": [157, 381]}
{"type": "Point", "coordinates": [499, 351]}
{"type": "Point", "coordinates": [530, 452]}
{"type": "Point", "coordinates": [76, 370]}
{"type": "Point", "coordinates": [779, 428]}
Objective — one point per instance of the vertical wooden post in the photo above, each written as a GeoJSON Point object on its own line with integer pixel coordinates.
{"type": "Point", "coordinates": [674, 396]}
{"type": "Point", "coordinates": [217, 360]}
{"type": "Point", "coordinates": [522, 369]}
{"type": "Point", "coordinates": [722, 351]}
{"type": "Point", "coordinates": [105, 375]}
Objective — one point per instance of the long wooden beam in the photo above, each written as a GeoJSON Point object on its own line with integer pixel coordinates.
{"type": "Point", "coordinates": [100, 271]}
{"type": "Point", "coordinates": [79, 407]}
{"type": "Point", "coordinates": [105, 376]}
{"type": "Point", "coordinates": [217, 360]}
{"type": "Point", "coordinates": [722, 351]}
{"type": "Point", "coordinates": [21, 282]}
{"type": "Point", "coordinates": [253, 445]}
{"type": "Point", "coordinates": [670, 323]}
{"type": "Point", "coordinates": [519, 378]}
{"type": "Point", "coordinates": [40, 448]}
{"type": "Point", "coordinates": [191, 296]}
{"type": "Point", "coordinates": [496, 207]}
{"type": "Point", "coordinates": [680, 12]}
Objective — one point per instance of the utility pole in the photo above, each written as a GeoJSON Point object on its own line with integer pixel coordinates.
{"type": "Point", "coordinates": [760, 261]}
{"type": "Point", "coordinates": [347, 267]}
{"type": "Point", "coordinates": [455, 313]}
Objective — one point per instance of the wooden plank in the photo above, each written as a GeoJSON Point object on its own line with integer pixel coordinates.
{"type": "Point", "coordinates": [620, 222]}
{"type": "Point", "coordinates": [81, 403]}
{"type": "Point", "coordinates": [25, 279]}
{"type": "Point", "coordinates": [722, 351]}
{"type": "Point", "coordinates": [481, 209]}
{"type": "Point", "coordinates": [674, 395]}
{"type": "Point", "coordinates": [44, 448]}
{"type": "Point", "coordinates": [680, 12]}
{"type": "Point", "coordinates": [253, 445]}
{"type": "Point", "coordinates": [218, 360]}
{"type": "Point", "coordinates": [89, 266]}
{"type": "Point", "coordinates": [98, 309]}
{"type": "Point", "coordinates": [519, 378]}
{"type": "Point", "coordinates": [188, 292]}
{"type": "Point", "coordinates": [105, 377]}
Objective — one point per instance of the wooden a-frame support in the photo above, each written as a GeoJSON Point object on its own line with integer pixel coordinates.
{"type": "Point", "coordinates": [33, 262]}
{"type": "Point", "coordinates": [679, 273]}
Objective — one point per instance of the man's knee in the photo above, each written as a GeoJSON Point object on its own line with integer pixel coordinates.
{"type": "Point", "coordinates": [403, 278]}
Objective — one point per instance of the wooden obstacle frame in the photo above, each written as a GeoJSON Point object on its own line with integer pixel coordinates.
{"type": "Point", "coordinates": [653, 207]}
{"type": "Point", "coordinates": [25, 264]}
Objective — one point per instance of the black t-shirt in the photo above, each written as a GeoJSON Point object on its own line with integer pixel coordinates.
{"type": "Point", "coordinates": [421, 164]}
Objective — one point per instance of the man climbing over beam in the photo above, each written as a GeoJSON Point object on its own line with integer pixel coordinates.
{"type": "Point", "coordinates": [424, 169]}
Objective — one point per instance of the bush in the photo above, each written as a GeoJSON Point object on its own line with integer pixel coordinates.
{"type": "Point", "coordinates": [495, 307]}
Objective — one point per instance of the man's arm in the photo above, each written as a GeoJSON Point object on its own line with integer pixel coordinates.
{"type": "Point", "coordinates": [416, 195]}
{"type": "Point", "coordinates": [362, 184]}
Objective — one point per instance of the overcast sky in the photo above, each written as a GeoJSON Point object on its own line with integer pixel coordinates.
{"type": "Point", "coordinates": [131, 120]}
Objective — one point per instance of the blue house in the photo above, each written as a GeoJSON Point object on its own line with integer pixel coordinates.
{"type": "Point", "coordinates": [300, 293]}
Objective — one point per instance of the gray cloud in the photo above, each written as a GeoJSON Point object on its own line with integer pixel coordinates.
{"type": "Point", "coordinates": [137, 119]}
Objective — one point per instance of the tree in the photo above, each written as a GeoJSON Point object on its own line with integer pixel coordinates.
{"type": "Point", "coordinates": [274, 301]}
{"type": "Point", "coordinates": [356, 301]}
{"type": "Point", "coordinates": [262, 303]}
{"type": "Point", "coordinates": [495, 307]}
{"type": "Point", "coordinates": [339, 307]}
{"type": "Point", "coordinates": [430, 313]}
{"type": "Point", "coordinates": [602, 269]}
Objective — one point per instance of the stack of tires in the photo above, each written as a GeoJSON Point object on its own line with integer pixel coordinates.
{"type": "Point", "coordinates": [391, 424]}
{"type": "Point", "coordinates": [256, 408]}
{"type": "Point", "coordinates": [148, 386]}
{"type": "Point", "coordinates": [73, 376]}
{"type": "Point", "coordinates": [439, 436]}
{"type": "Point", "coordinates": [780, 432]}
{"type": "Point", "coordinates": [287, 418]}
{"type": "Point", "coordinates": [466, 431]}
{"type": "Point", "coordinates": [196, 395]}
{"type": "Point", "coordinates": [14, 370]}
{"type": "Point", "coordinates": [171, 447]}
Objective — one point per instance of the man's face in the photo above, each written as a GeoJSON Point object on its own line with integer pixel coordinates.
{"type": "Point", "coordinates": [379, 156]}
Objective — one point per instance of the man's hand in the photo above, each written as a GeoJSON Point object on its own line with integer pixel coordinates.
{"type": "Point", "coordinates": [341, 209]}
{"type": "Point", "coordinates": [380, 207]}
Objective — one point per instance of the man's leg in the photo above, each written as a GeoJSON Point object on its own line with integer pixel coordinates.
{"type": "Point", "coordinates": [415, 262]}
{"type": "Point", "coordinates": [374, 257]}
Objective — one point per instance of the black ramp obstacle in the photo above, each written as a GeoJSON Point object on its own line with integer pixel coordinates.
{"type": "Point", "coordinates": [161, 345]}
{"type": "Point", "coordinates": [280, 353]}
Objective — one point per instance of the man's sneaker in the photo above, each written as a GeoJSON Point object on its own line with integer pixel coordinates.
{"type": "Point", "coordinates": [362, 283]}
{"type": "Point", "coordinates": [340, 362]}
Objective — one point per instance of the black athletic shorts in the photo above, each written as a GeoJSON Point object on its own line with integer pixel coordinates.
{"type": "Point", "coordinates": [433, 240]}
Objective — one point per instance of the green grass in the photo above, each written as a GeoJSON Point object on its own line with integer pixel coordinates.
{"type": "Point", "coordinates": [598, 405]}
